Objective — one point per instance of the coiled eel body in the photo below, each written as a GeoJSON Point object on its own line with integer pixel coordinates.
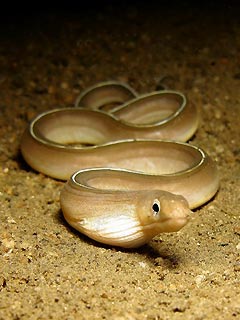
{"type": "Point", "coordinates": [130, 174]}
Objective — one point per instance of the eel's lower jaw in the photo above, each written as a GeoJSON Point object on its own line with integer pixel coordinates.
{"type": "Point", "coordinates": [175, 224]}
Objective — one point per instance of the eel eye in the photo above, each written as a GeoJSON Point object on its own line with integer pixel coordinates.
{"type": "Point", "coordinates": [156, 207]}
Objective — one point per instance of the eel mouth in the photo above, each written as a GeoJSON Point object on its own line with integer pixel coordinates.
{"type": "Point", "coordinates": [173, 224]}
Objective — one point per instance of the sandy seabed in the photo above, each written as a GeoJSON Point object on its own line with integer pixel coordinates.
{"type": "Point", "coordinates": [49, 271]}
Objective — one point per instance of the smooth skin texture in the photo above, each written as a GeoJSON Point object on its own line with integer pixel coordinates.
{"type": "Point", "coordinates": [125, 183]}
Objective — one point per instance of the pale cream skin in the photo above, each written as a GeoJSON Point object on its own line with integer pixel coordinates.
{"type": "Point", "coordinates": [146, 185]}
{"type": "Point", "coordinates": [119, 217]}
